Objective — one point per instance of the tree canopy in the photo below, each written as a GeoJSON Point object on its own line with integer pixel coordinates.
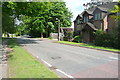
{"type": "Point", "coordinates": [38, 18]}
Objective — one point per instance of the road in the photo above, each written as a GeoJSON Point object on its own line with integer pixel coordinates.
{"type": "Point", "coordinates": [73, 62]}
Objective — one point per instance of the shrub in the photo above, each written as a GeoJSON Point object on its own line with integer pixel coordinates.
{"type": "Point", "coordinates": [69, 36]}
{"type": "Point", "coordinates": [77, 39]}
{"type": "Point", "coordinates": [50, 37]}
{"type": "Point", "coordinates": [105, 39]}
{"type": "Point", "coordinates": [65, 38]}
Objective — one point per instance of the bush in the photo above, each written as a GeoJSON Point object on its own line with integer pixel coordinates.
{"type": "Point", "coordinates": [105, 39]}
{"type": "Point", "coordinates": [50, 37]}
{"type": "Point", "coordinates": [65, 38]}
{"type": "Point", "coordinates": [77, 39]}
{"type": "Point", "coordinates": [68, 37]}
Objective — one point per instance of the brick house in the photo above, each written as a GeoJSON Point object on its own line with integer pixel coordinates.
{"type": "Point", "coordinates": [94, 18]}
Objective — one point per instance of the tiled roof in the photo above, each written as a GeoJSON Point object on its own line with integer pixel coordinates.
{"type": "Point", "coordinates": [105, 7]}
{"type": "Point", "coordinates": [89, 11]}
{"type": "Point", "coordinates": [92, 26]}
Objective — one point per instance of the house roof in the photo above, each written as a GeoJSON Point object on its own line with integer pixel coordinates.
{"type": "Point", "coordinates": [104, 7]}
{"type": "Point", "coordinates": [108, 6]}
{"type": "Point", "coordinates": [91, 26]}
{"type": "Point", "coordinates": [89, 11]}
{"type": "Point", "coordinates": [79, 15]}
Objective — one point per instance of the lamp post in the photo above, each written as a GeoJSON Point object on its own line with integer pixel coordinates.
{"type": "Point", "coordinates": [58, 29]}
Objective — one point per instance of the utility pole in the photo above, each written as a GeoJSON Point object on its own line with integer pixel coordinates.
{"type": "Point", "coordinates": [58, 29]}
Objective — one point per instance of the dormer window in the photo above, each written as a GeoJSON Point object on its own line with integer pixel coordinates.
{"type": "Point", "coordinates": [85, 19]}
{"type": "Point", "coordinates": [97, 16]}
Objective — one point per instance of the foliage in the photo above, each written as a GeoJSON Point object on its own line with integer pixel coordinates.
{"type": "Point", "coordinates": [8, 18]}
{"type": "Point", "coordinates": [50, 37]}
{"type": "Point", "coordinates": [68, 36]}
{"type": "Point", "coordinates": [106, 39]}
{"type": "Point", "coordinates": [77, 39]}
{"type": "Point", "coordinates": [111, 39]}
{"type": "Point", "coordinates": [38, 18]}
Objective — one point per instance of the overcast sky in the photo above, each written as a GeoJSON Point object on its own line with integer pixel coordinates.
{"type": "Point", "coordinates": [76, 7]}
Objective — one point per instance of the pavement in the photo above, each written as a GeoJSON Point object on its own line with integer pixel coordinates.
{"type": "Point", "coordinates": [3, 72]}
{"type": "Point", "coordinates": [71, 61]}
{"type": "Point", "coordinates": [3, 64]}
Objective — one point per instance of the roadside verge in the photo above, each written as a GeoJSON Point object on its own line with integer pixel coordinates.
{"type": "Point", "coordinates": [83, 45]}
{"type": "Point", "coordinates": [23, 65]}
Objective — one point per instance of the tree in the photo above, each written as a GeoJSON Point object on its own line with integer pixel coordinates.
{"type": "Point", "coordinates": [38, 17]}
{"type": "Point", "coordinates": [8, 18]}
{"type": "Point", "coordinates": [117, 17]}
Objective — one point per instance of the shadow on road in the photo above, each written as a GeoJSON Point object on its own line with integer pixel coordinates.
{"type": "Point", "coordinates": [27, 41]}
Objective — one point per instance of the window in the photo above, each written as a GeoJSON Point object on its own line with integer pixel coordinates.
{"type": "Point", "coordinates": [78, 21]}
{"type": "Point", "coordinates": [86, 19]}
{"type": "Point", "coordinates": [97, 16]}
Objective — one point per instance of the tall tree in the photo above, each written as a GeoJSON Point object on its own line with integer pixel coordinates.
{"type": "Point", "coordinates": [35, 16]}
{"type": "Point", "coordinates": [8, 18]}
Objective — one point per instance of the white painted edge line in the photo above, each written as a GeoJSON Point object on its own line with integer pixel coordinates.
{"type": "Point", "coordinates": [64, 73]}
{"type": "Point", "coordinates": [69, 76]}
{"type": "Point", "coordinates": [46, 63]}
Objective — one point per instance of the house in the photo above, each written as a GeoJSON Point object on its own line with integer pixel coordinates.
{"type": "Point", "coordinates": [93, 19]}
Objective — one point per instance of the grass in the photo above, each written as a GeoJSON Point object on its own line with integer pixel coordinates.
{"type": "Point", "coordinates": [23, 65]}
{"type": "Point", "coordinates": [88, 45]}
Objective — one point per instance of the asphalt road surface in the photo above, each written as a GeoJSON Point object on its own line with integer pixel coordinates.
{"type": "Point", "coordinates": [73, 62]}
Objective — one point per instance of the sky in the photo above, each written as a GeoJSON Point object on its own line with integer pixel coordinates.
{"type": "Point", "coordinates": [76, 7]}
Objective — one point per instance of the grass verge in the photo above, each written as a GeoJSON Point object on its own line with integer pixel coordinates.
{"type": "Point", "coordinates": [88, 45]}
{"type": "Point", "coordinates": [23, 65]}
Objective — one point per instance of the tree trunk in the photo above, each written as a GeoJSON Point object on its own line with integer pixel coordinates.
{"type": "Point", "coordinates": [41, 35]}
{"type": "Point", "coordinates": [46, 33]}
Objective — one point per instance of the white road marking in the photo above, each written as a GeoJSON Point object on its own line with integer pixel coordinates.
{"type": "Point", "coordinates": [37, 57]}
{"type": "Point", "coordinates": [113, 58]}
{"type": "Point", "coordinates": [69, 76]}
{"type": "Point", "coordinates": [46, 63]}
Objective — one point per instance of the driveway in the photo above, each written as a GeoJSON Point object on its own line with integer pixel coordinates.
{"type": "Point", "coordinates": [73, 62]}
